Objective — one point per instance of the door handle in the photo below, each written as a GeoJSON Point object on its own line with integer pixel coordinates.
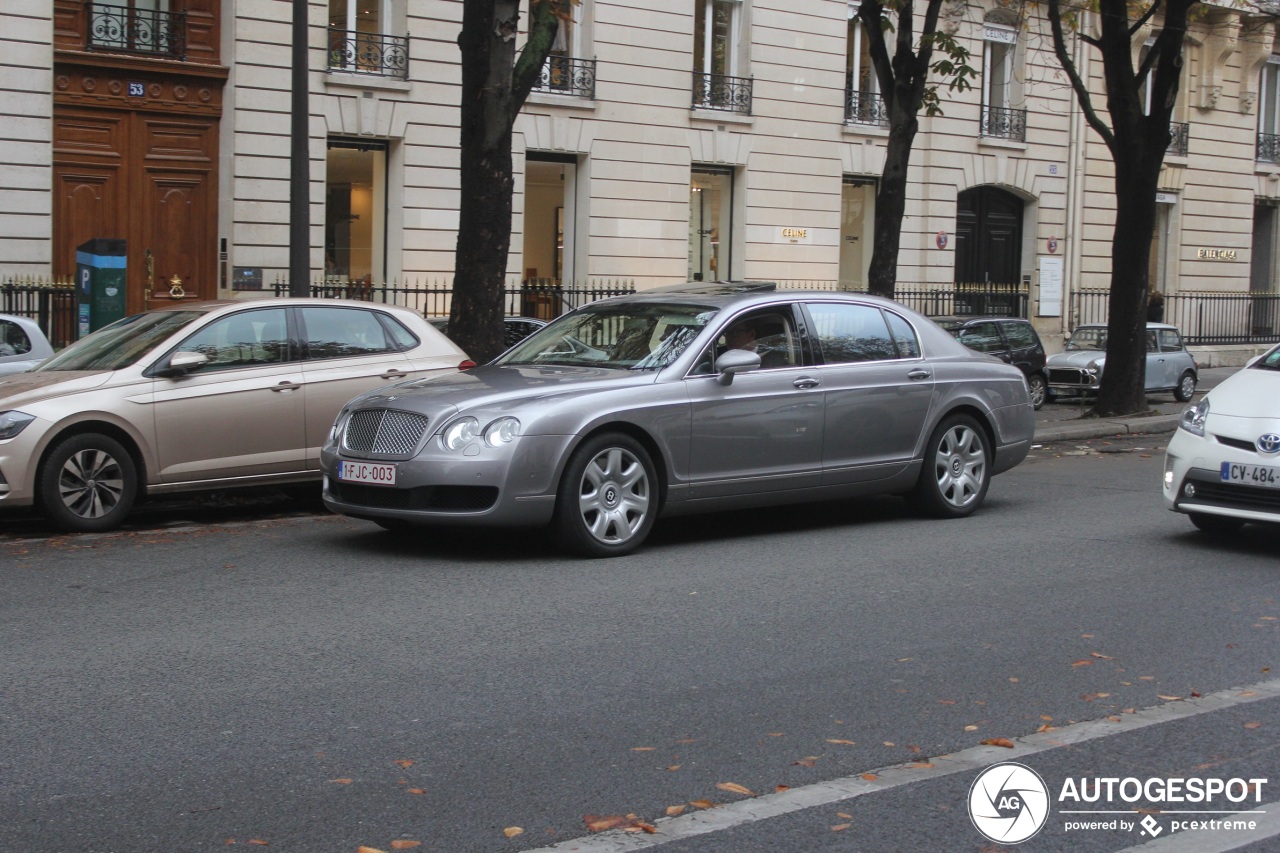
{"type": "Point", "coordinates": [918, 374]}
{"type": "Point", "coordinates": [806, 382]}
{"type": "Point", "coordinates": [285, 386]}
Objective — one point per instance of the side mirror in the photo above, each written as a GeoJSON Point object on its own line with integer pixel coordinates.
{"type": "Point", "coordinates": [181, 363]}
{"type": "Point", "coordinates": [735, 361]}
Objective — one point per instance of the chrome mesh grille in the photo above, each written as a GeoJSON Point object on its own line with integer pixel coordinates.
{"type": "Point", "coordinates": [384, 431]}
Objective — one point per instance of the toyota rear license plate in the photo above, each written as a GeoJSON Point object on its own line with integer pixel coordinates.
{"type": "Point", "coordinates": [1251, 475]}
{"type": "Point", "coordinates": [367, 472]}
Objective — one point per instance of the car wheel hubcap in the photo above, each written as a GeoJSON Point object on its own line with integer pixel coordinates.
{"type": "Point", "coordinates": [1188, 386]}
{"type": "Point", "coordinates": [960, 466]}
{"type": "Point", "coordinates": [91, 484]}
{"type": "Point", "coordinates": [614, 497]}
{"type": "Point", "coordinates": [1037, 393]}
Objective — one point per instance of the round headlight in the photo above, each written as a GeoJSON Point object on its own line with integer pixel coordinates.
{"type": "Point", "coordinates": [502, 431]}
{"type": "Point", "coordinates": [460, 433]}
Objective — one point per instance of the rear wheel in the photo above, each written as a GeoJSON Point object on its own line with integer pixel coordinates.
{"type": "Point", "coordinates": [1216, 524]}
{"type": "Point", "coordinates": [88, 483]}
{"type": "Point", "coordinates": [1186, 387]}
{"type": "Point", "coordinates": [608, 497]}
{"type": "Point", "coordinates": [957, 469]}
{"type": "Point", "coordinates": [1039, 390]}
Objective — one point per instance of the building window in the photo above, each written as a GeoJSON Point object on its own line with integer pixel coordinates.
{"type": "Point", "coordinates": [355, 211]}
{"type": "Point", "coordinates": [710, 223]}
{"type": "Point", "coordinates": [999, 53]}
{"type": "Point", "coordinates": [1269, 112]}
{"type": "Point", "coordinates": [361, 39]}
{"type": "Point", "coordinates": [863, 104]}
{"type": "Point", "coordinates": [717, 84]}
{"type": "Point", "coordinates": [857, 229]}
{"type": "Point", "coordinates": [566, 72]}
{"type": "Point", "coordinates": [138, 26]}
{"type": "Point", "coordinates": [1179, 131]}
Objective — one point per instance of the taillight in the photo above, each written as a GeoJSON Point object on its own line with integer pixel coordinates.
{"type": "Point", "coordinates": [466, 364]}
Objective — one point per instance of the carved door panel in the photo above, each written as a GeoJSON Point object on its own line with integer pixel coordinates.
{"type": "Point", "coordinates": [179, 234]}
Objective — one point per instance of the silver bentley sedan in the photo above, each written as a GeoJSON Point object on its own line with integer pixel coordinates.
{"type": "Point", "coordinates": [693, 398]}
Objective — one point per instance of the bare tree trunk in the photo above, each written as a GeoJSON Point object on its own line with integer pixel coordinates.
{"type": "Point", "coordinates": [891, 206]}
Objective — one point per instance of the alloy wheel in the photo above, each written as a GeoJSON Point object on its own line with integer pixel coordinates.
{"type": "Point", "coordinates": [960, 466]}
{"type": "Point", "coordinates": [614, 497]}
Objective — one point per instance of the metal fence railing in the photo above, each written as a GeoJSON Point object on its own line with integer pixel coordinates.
{"type": "Point", "coordinates": [963, 299]}
{"type": "Point", "coordinates": [1203, 318]}
{"type": "Point", "coordinates": [50, 302]}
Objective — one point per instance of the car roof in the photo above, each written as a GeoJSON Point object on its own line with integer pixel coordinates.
{"type": "Point", "coordinates": [739, 294]}
{"type": "Point", "coordinates": [211, 305]}
{"type": "Point", "coordinates": [1104, 325]}
{"type": "Point", "coordinates": [952, 318]}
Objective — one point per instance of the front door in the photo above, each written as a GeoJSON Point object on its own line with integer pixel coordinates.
{"type": "Point", "coordinates": [988, 237]}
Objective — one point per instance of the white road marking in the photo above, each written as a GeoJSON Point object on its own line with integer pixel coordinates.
{"type": "Point", "coordinates": [970, 760]}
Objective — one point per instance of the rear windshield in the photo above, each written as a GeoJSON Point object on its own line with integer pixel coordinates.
{"type": "Point", "coordinates": [120, 344]}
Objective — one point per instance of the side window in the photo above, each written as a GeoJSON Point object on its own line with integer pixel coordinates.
{"type": "Point", "coordinates": [13, 341]}
{"type": "Point", "coordinates": [1151, 341]}
{"type": "Point", "coordinates": [1020, 335]}
{"type": "Point", "coordinates": [1169, 341]}
{"type": "Point", "coordinates": [340, 332]}
{"type": "Point", "coordinates": [401, 338]}
{"type": "Point", "coordinates": [851, 333]}
{"type": "Point", "coordinates": [982, 337]}
{"type": "Point", "coordinates": [903, 335]}
{"type": "Point", "coordinates": [247, 339]}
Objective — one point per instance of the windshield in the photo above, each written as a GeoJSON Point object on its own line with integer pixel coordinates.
{"type": "Point", "coordinates": [120, 344]}
{"type": "Point", "coordinates": [1270, 361]}
{"type": "Point", "coordinates": [634, 336]}
{"type": "Point", "coordinates": [1088, 337]}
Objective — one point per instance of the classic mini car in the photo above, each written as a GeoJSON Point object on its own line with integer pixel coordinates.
{"type": "Point", "coordinates": [699, 397]}
{"type": "Point", "coordinates": [1010, 339]}
{"type": "Point", "coordinates": [1078, 369]}
{"type": "Point", "coordinates": [22, 344]}
{"type": "Point", "coordinates": [198, 396]}
{"type": "Point", "coordinates": [1222, 466]}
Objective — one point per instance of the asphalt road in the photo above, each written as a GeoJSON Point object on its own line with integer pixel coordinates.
{"type": "Point", "coordinates": [311, 683]}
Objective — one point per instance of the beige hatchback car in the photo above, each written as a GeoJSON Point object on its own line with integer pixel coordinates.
{"type": "Point", "coordinates": [199, 396]}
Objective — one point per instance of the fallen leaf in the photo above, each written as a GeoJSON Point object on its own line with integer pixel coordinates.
{"type": "Point", "coordinates": [513, 831]}
{"type": "Point", "coordinates": [839, 740]}
{"type": "Point", "coordinates": [998, 741]}
{"type": "Point", "coordinates": [1087, 636]}
{"type": "Point", "coordinates": [674, 767]}
{"type": "Point", "coordinates": [922, 765]}
{"type": "Point", "coordinates": [1100, 656]}
{"type": "Point", "coordinates": [1046, 718]}
{"type": "Point", "coordinates": [1146, 678]}
{"type": "Point", "coordinates": [1253, 725]}
{"type": "Point", "coordinates": [406, 844]}
{"type": "Point", "coordinates": [1045, 727]}
{"type": "Point", "coordinates": [640, 826]}
{"type": "Point", "coordinates": [845, 816]}
{"type": "Point", "coordinates": [1169, 698]}
{"type": "Point", "coordinates": [363, 849]}
{"type": "Point", "coordinates": [781, 788]}
{"type": "Point", "coordinates": [258, 841]}
{"type": "Point", "coordinates": [914, 749]}
{"type": "Point", "coordinates": [888, 743]}
{"type": "Point", "coordinates": [702, 804]}
{"type": "Point", "coordinates": [735, 788]}
{"type": "Point", "coordinates": [777, 734]}
{"type": "Point", "coordinates": [404, 762]}
{"type": "Point", "coordinates": [970, 728]}
{"type": "Point", "coordinates": [870, 777]}
{"type": "Point", "coordinates": [687, 740]}
{"type": "Point", "coordinates": [672, 811]}
{"type": "Point", "coordinates": [904, 660]}
{"type": "Point", "coordinates": [1083, 663]}
{"type": "Point", "coordinates": [599, 823]}
{"type": "Point", "coordinates": [341, 781]}
{"type": "Point", "coordinates": [1248, 693]}
{"type": "Point", "coordinates": [643, 748]}
{"type": "Point", "coordinates": [841, 827]}
{"type": "Point", "coordinates": [806, 762]}
{"type": "Point", "coordinates": [1014, 679]}
{"type": "Point", "coordinates": [1195, 694]}
{"type": "Point", "coordinates": [946, 701]}
{"type": "Point", "coordinates": [416, 790]}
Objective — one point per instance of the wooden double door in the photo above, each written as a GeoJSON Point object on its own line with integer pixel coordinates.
{"type": "Point", "coordinates": [149, 178]}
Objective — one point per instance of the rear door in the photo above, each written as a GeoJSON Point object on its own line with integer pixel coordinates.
{"type": "Point", "coordinates": [1025, 351]}
{"type": "Point", "coordinates": [877, 391]}
{"type": "Point", "coordinates": [984, 336]}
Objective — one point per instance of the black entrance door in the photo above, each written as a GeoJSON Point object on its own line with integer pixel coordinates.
{"type": "Point", "coordinates": [988, 236]}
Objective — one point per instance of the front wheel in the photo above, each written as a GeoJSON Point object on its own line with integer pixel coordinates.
{"type": "Point", "coordinates": [957, 469]}
{"type": "Point", "coordinates": [88, 484]}
{"type": "Point", "coordinates": [1039, 390]}
{"type": "Point", "coordinates": [608, 497]}
{"type": "Point", "coordinates": [1215, 524]}
{"type": "Point", "coordinates": [1186, 387]}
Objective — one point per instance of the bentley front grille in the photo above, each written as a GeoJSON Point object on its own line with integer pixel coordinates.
{"type": "Point", "coordinates": [384, 431]}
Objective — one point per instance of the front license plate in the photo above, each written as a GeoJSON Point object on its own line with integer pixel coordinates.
{"type": "Point", "coordinates": [367, 472]}
{"type": "Point", "coordinates": [1251, 475]}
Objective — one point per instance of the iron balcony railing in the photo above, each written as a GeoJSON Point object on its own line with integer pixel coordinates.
{"type": "Point", "coordinates": [1268, 148]}
{"type": "Point", "coordinates": [127, 29]}
{"type": "Point", "coordinates": [368, 53]}
{"type": "Point", "coordinates": [722, 92]}
{"type": "Point", "coordinates": [865, 108]}
{"type": "Point", "coordinates": [564, 75]}
{"type": "Point", "coordinates": [1002, 123]}
{"type": "Point", "coordinates": [1180, 133]}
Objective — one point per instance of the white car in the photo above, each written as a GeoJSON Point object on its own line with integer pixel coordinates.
{"type": "Point", "coordinates": [1222, 466]}
{"type": "Point", "coordinates": [22, 344]}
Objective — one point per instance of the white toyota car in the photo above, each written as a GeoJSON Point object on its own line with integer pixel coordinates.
{"type": "Point", "coordinates": [1222, 466]}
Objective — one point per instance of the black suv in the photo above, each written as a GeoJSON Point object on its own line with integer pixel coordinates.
{"type": "Point", "coordinates": [1009, 339]}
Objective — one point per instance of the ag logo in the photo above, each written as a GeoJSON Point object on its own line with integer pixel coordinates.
{"type": "Point", "coordinates": [1008, 803]}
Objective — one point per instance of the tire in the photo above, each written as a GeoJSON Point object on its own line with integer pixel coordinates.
{"type": "Point", "coordinates": [957, 469]}
{"type": "Point", "coordinates": [1217, 525]}
{"type": "Point", "coordinates": [1039, 390]}
{"type": "Point", "coordinates": [1185, 388]}
{"type": "Point", "coordinates": [608, 497]}
{"type": "Point", "coordinates": [88, 484]}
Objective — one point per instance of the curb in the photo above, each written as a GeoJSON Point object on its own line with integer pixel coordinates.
{"type": "Point", "coordinates": [1106, 428]}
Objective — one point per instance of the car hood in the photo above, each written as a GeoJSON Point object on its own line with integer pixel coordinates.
{"type": "Point", "coordinates": [1247, 394]}
{"type": "Point", "coordinates": [23, 388]}
{"type": "Point", "coordinates": [1077, 358]}
{"type": "Point", "coordinates": [498, 386]}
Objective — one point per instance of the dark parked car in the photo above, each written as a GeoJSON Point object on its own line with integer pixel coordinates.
{"type": "Point", "coordinates": [1010, 339]}
{"type": "Point", "coordinates": [514, 329]}
{"type": "Point", "coordinates": [705, 396]}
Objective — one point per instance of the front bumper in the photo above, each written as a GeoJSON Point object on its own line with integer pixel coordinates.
{"type": "Point", "coordinates": [1193, 483]}
{"type": "Point", "coordinates": [19, 459]}
{"type": "Point", "coordinates": [1072, 380]}
{"type": "Point", "coordinates": [512, 486]}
